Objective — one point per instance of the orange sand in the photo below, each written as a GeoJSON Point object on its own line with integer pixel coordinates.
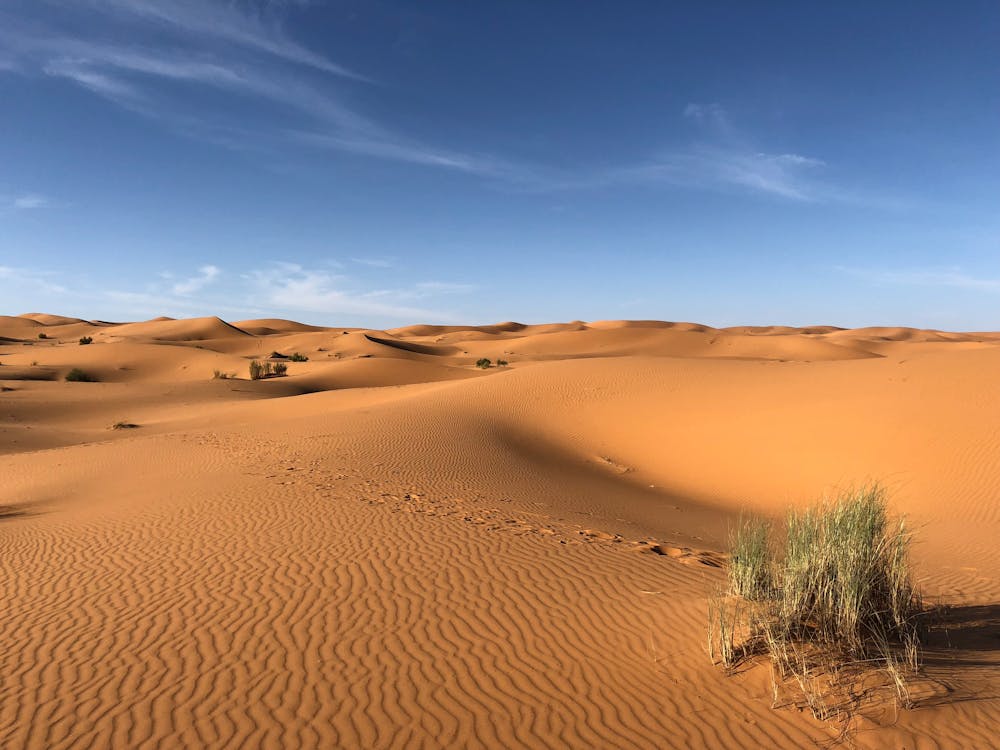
{"type": "Point", "coordinates": [392, 548]}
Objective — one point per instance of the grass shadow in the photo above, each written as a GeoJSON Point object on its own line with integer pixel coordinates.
{"type": "Point", "coordinates": [961, 655]}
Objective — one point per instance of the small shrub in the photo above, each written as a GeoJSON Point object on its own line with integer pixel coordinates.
{"type": "Point", "coordinates": [42, 336]}
{"type": "Point", "coordinates": [123, 426]}
{"type": "Point", "coordinates": [84, 340]}
{"type": "Point", "coordinates": [220, 375]}
{"type": "Point", "coordinates": [502, 363]}
{"type": "Point", "coordinates": [484, 363]}
{"type": "Point", "coordinates": [76, 375]}
{"type": "Point", "coordinates": [266, 369]}
{"type": "Point", "coordinates": [298, 357]}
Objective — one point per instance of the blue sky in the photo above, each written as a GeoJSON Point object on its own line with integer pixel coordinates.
{"type": "Point", "coordinates": [382, 163]}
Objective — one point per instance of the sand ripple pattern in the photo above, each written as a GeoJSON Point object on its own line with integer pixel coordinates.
{"type": "Point", "coordinates": [298, 602]}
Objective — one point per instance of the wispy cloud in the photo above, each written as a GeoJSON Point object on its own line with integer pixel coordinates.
{"type": "Point", "coordinates": [41, 280]}
{"type": "Point", "coordinates": [260, 31]}
{"type": "Point", "coordinates": [713, 167]}
{"type": "Point", "coordinates": [374, 262]}
{"type": "Point", "coordinates": [241, 64]}
{"type": "Point", "coordinates": [206, 275]}
{"type": "Point", "coordinates": [242, 51]}
{"type": "Point", "coordinates": [294, 287]}
{"type": "Point", "coordinates": [713, 114]}
{"type": "Point", "coordinates": [30, 201]}
{"type": "Point", "coordinates": [953, 277]}
{"type": "Point", "coordinates": [444, 287]}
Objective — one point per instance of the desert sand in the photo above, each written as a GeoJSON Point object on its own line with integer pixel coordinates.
{"type": "Point", "coordinates": [391, 547]}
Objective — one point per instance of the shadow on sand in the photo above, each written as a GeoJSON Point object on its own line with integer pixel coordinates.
{"type": "Point", "coordinates": [961, 655]}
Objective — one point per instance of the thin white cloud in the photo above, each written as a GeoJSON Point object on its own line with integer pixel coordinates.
{"type": "Point", "coordinates": [21, 277]}
{"type": "Point", "coordinates": [374, 262]}
{"type": "Point", "coordinates": [713, 114]}
{"type": "Point", "coordinates": [953, 277]}
{"type": "Point", "coordinates": [30, 201]}
{"type": "Point", "coordinates": [395, 148]}
{"type": "Point", "coordinates": [206, 275]}
{"type": "Point", "coordinates": [223, 21]}
{"type": "Point", "coordinates": [444, 287]}
{"type": "Point", "coordinates": [291, 286]}
{"type": "Point", "coordinates": [710, 167]}
{"type": "Point", "coordinates": [233, 50]}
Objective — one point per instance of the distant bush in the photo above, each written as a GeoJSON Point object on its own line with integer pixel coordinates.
{"type": "Point", "coordinates": [220, 375]}
{"type": "Point", "coordinates": [260, 370]}
{"type": "Point", "coordinates": [828, 606]}
{"type": "Point", "coordinates": [298, 357]}
{"type": "Point", "coordinates": [76, 375]}
{"type": "Point", "coordinates": [42, 336]}
{"type": "Point", "coordinates": [502, 363]}
{"type": "Point", "coordinates": [484, 363]}
{"type": "Point", "coordinates": [123, 426]}
{"type": "Point", "coordinates": [84, 340]}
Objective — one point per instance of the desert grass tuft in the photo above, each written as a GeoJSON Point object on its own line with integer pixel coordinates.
{"type": "Point", "coordinates": [831, 603]}
{"type": "Point", "coordinates": [750, 566]}
{"type": "Point", "coordinates": [267, 369]}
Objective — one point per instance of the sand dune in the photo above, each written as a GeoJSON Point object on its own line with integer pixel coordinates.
{"type": "Point", "coordinates": [391, 547]}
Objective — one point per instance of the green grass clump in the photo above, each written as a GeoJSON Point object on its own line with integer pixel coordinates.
{"type": "Point", "coordinates": [828, 604]}
{"type": "Point", "coordinates": [750, 564]}
{"type": "Point", "coordinates": [84, 340]}
{"type": "Point", "coordinates": [484, 363]}
{"type": "Point", "coordinates": [76, 375]}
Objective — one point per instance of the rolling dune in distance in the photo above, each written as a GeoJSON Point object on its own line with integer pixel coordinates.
{"type": "Point", "coordinates": [391, 547]}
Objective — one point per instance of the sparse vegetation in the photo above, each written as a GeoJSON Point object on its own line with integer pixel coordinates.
{"type": "Point", "coordinates": [220, 375]}
{"type": "Point", "coordinates": [84, 340]}
{"type": "Point", "coordinates": [484, 363]}
{"type": "Point", "coordinates": [298, 357]}
{"type": "Point", "coordinates": [42, 336]}
{"type": "Point", "coordinates": [829, 606]}
{"type": "Point", "coordinates": [76, 375]}
{"type": "Point", "coordinates": [123, 426]}
{"type": "Point", "coordinates": [502, 363]}
{"type": "Point", "coordinates": [266, 369]}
